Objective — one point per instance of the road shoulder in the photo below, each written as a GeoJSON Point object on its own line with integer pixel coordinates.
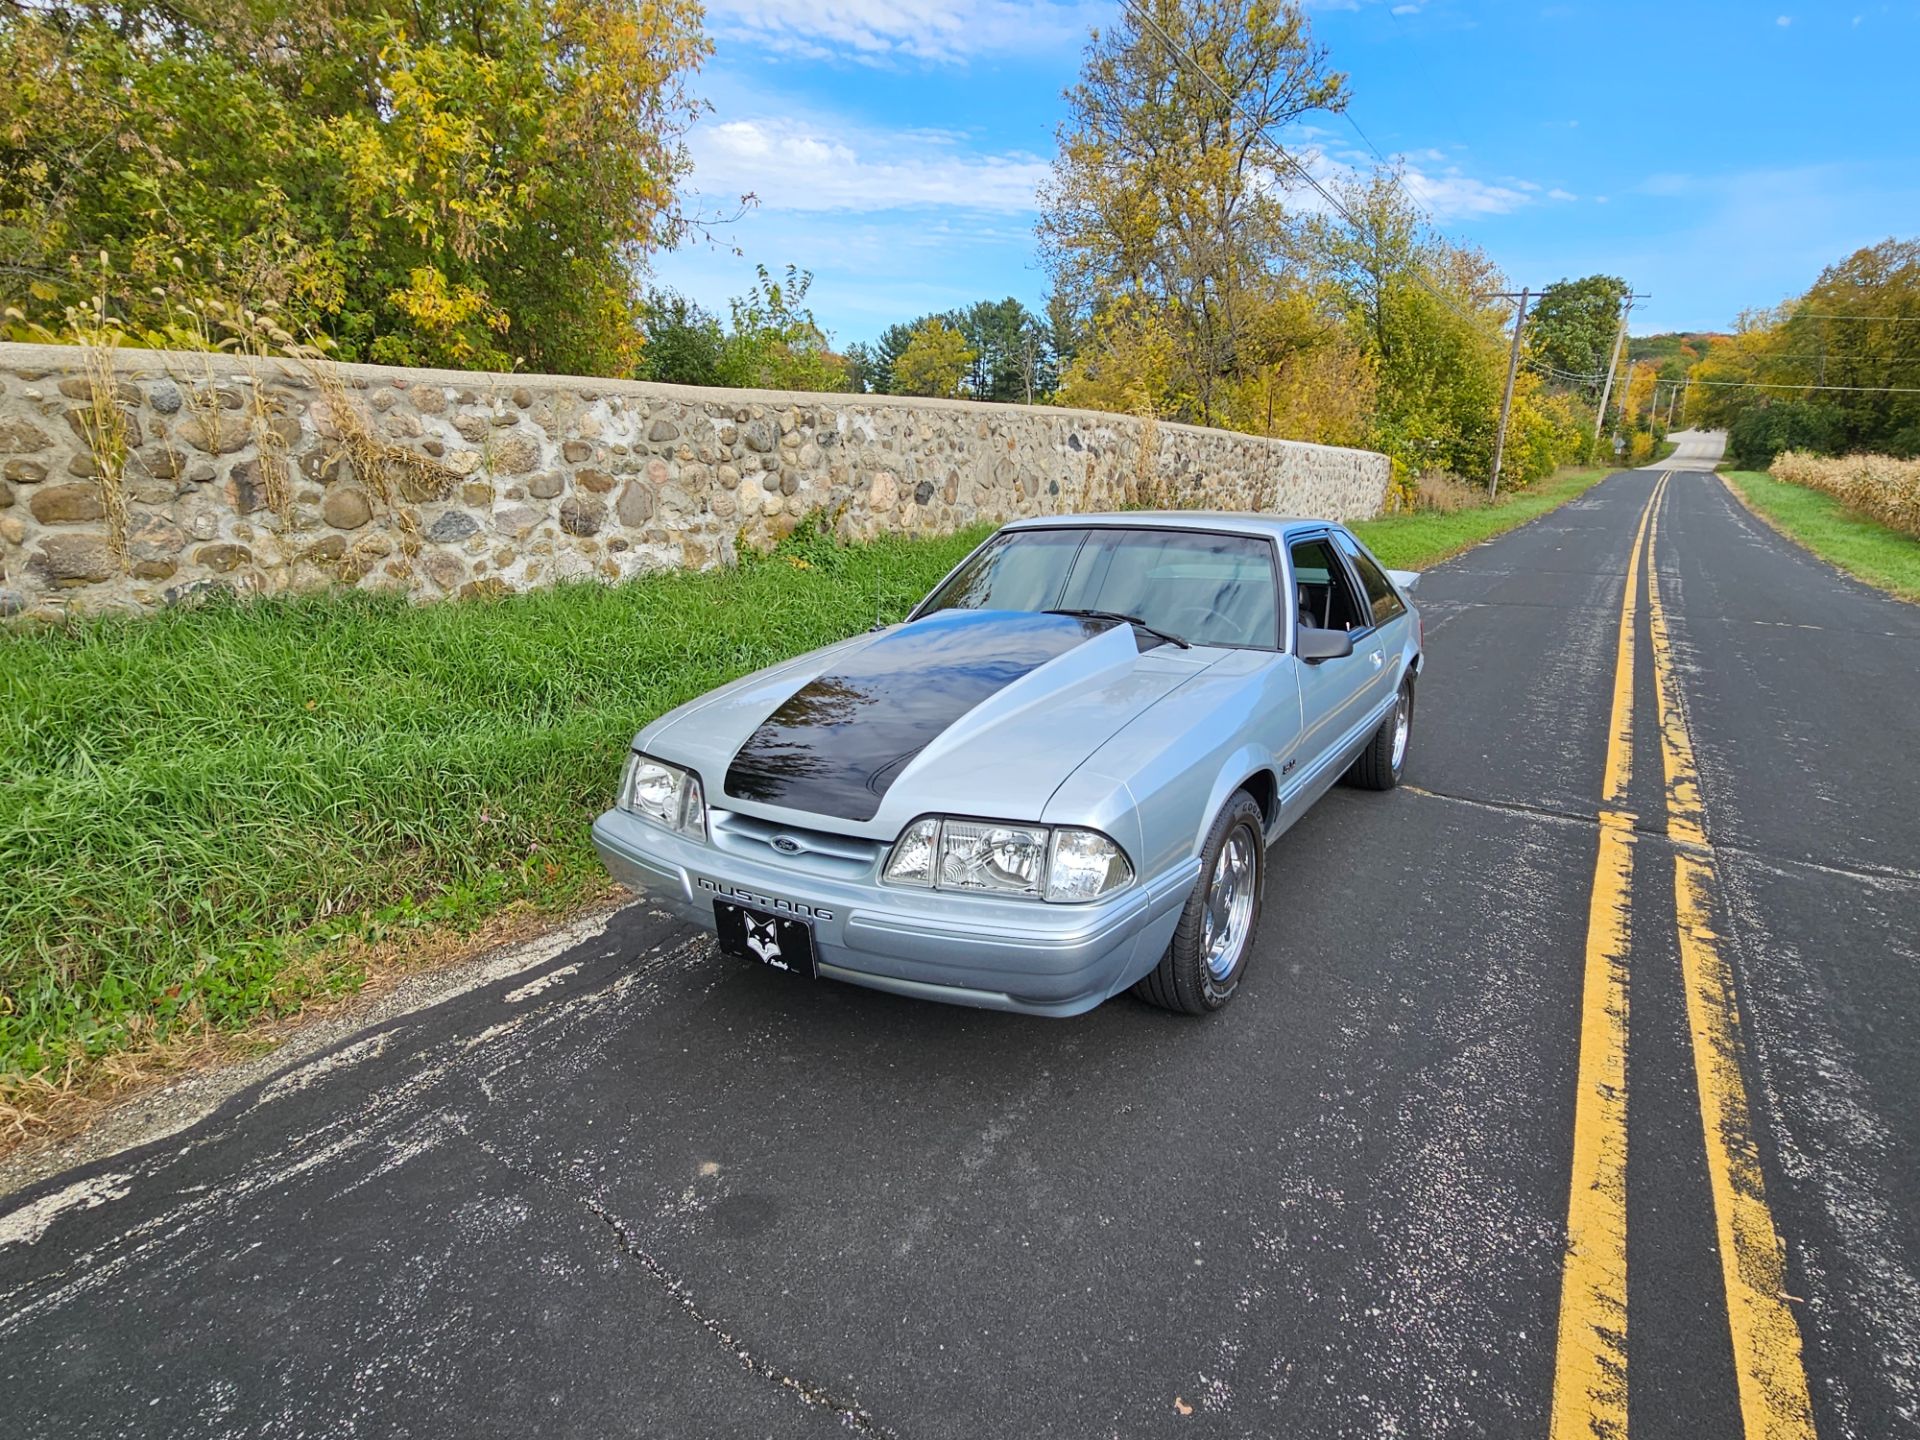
{"type": "Point", "coordinates": [1821, 525]}
{"type": "Point", "coordinates": [148, 1112]}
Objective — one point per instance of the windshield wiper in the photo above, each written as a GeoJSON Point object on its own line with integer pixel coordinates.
{"type": "Point", "coordinates": [1133, 620]}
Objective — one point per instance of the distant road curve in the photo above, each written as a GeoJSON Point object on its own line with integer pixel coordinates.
{"type": "Point", "coordinates": [1696, 447]}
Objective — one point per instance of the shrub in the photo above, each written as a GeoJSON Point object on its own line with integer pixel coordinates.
{"type": "Point", "coordinates": [1759, 434]}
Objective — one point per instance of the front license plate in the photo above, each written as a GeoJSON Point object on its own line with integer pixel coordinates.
{"type": "Point", "coordinates": [773, 940]}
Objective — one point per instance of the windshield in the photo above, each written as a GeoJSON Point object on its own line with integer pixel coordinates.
{"type": "Point", "coordinates": [1208, 589]}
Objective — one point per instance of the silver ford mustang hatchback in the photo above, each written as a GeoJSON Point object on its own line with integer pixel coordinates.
{"type": "Point", "coordinates": [1056, 779]}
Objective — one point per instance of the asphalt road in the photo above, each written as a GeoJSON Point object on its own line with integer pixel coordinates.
{"type": "Point", "coordinates": [642, 1190]}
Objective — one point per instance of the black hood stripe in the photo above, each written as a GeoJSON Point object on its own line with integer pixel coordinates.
{"type": "Point", "coordinates": [836, 744]}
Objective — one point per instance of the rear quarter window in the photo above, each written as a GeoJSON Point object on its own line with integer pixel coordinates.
{"type": "Point", "coordinates": [1381, 596]}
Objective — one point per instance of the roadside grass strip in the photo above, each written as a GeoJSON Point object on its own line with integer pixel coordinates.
{"type": "Point", "coordinates": [1845, 539]}
{"type": "Point", "coordinates": [1412, 542]}
{"type": "Point", "coordinates": [1590, 1354]}
{"type": "Point", "coordinates": [1774, 1400]}
{"type": "Point", "coordinates": [199, 810]}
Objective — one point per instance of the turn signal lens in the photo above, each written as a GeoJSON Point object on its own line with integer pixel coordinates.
{"type": "Point", "coordinates": [1085, 865]}
{"type": "Point", "coordinates": [913, 854]}
{"type": "Point", "coordinates": [665, 794]}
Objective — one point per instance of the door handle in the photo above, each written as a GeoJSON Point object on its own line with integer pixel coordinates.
{"type": "Point", "coordinates": [1376, 659]}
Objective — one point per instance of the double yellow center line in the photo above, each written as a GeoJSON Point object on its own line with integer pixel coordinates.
{"type": "Point", "coordinates": [1590, 1375]}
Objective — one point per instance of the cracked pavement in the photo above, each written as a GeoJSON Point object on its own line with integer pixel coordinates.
{"type": "Point", "coordinates": [638, 1189]}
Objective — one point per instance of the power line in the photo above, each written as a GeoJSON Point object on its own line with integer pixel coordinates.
{"type": "Point", "coordinates": [1883, 319]}
{"type": "Point", "coordinates": [1876, 359]}
{"type": "Point", "coordinates": [1557, 373]}
{"type": "Point", "coordinates": [1792, 385]}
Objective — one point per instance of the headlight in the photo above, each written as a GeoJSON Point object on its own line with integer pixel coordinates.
{"type": "Point", "coordinates": [997, 858]}
{"type": "Point", "coordinates": [665, 794]}
{"type": "Point", "coordinates": [980, 855]}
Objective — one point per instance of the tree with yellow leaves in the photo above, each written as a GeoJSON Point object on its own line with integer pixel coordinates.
{"type": "Point", "coordinates": [417, 181]}
{"type": "Point", "coordinates": [934, 362]}
{"type": "Point", "coordinates": [1162, 220]}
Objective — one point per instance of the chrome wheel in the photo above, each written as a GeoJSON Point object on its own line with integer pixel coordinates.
{"type": "Point", "coordinates": [1223, 930]}
{"type": "Point", "coordinates": [1402, 728]}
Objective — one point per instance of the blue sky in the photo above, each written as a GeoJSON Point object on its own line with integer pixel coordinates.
{"type": "Point", "coordinates": [1715, 154]}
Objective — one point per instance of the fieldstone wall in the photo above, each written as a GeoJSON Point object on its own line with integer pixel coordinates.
{"type": "Point", "coordinates": [134, 479]}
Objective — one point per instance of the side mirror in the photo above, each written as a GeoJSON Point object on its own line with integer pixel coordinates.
{"type": "Point", "coordinates": [1313, 646]}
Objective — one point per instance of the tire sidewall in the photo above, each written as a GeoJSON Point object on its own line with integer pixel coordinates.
{"type": "Point", "coordinates": [1405, 699]}
{"type": "Point", "coordinates": [1240, 811]}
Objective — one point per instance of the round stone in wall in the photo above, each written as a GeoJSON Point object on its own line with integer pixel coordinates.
{"type": "Point", "coordinates": [76, 559]}
{"type": "Point", "coordinates": [636, 504]}
{"type": "Point", "coordinates": [582, 515]}
{"type": "Point", "coordinates": [66, 504]}
{"type": "Point", "coordinates": [222, 557]}
{"type": "Point", "coordinates": [515, 454]}
{"type": "Point", "coordinates": [346, 509]}
{"type": "Point", "coordinates": [453, 525]}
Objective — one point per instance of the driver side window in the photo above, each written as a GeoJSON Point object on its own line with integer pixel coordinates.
{"type": "Point", "coordinates": [1323, 591]}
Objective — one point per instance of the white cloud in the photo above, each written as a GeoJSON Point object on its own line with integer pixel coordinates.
{"type": "Point", "coordinates": [1438, 185]}
{"type": "Point", "coordinates": [798, 164]}
{"type": "Point", "coordinates": [1784, 21]}
{"type": "Point", "coordinates": [874, 32]}
{"type": "Point", "coordinates": [1558, 194]}
{"type": "Point", "coordinates": [1451, 194]}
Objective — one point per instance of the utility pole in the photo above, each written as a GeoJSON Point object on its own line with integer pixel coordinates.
{"type": "Point", "coordinates": [1506, 400]}
{"type": "Point", "coordinates": [1613, 364]}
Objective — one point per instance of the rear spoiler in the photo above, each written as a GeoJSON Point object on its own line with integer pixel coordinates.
{"type": "Point", "coordinates": [1407, 580]}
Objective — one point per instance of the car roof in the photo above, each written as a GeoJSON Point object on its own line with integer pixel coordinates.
{"type": "Point", "coordinates": [1243, 522]}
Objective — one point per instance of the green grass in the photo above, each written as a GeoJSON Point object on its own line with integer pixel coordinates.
{"type": "Point", "coordinates": [1861, 546]}
{"type": "Point", "coordinates": [1413, 542]}
{"type": "Point", "coordinates": [194, 804]}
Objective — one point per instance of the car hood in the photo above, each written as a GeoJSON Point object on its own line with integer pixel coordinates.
{"type": "Point", "coordinates": [972, 712]}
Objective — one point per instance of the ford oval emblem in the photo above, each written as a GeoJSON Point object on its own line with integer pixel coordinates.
{"type": "Point", "coordinates": [787, 845]}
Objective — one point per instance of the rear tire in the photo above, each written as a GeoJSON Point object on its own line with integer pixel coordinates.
{"type": "Point", "coordinates": [1381, 763]}
{"type": "Point", "coordinates": [1202, 967]}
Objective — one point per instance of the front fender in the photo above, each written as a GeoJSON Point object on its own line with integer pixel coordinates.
{"type": "Point", "coordinates": [1239, 767]}
{"type": "Point", "coordinates": [1180, 761]}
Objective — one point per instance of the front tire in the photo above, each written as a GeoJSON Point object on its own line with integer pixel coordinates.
{"type": "Point", "coordinates": [1202, 967]}
{"type": "Point", "coordinates": [1381, 763]}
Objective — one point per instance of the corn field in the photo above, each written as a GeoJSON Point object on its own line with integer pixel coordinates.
{"type": "Point", "coordinates": [1875, 485]}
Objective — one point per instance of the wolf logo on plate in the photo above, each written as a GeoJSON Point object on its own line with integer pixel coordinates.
{"type": "Point", "coordinates": [763, 938]}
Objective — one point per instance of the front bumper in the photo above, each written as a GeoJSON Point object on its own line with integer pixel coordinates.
{"type": "Point", "coordinates": [1025, 956]}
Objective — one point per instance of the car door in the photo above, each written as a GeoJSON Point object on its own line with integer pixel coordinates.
{"type": "Point", "coordinates": [1384, 641]}
{"type": "Point", "coordinates": [1333, 693]}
